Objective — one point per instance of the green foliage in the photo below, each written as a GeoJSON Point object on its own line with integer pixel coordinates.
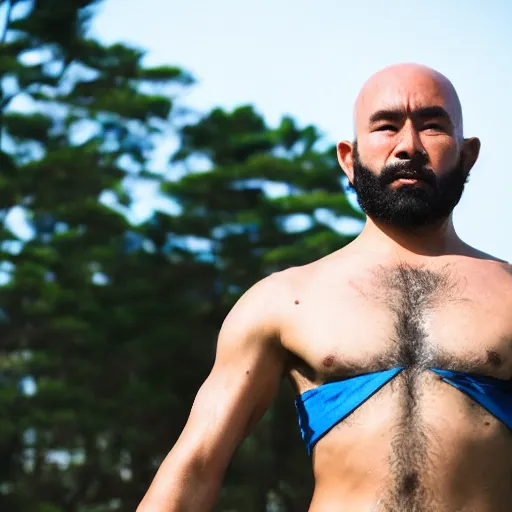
{"type": "Point", "coordinates": [23, 126]}
{"type": "Point", "coordinates": [108, 329]}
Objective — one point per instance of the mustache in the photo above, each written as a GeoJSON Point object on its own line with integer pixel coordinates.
{"type": "Point", "coordinates": [412, 169]}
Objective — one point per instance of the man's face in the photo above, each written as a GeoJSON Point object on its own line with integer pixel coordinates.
{"type": "Point", "coordinates": [411, 161]}
{"type": "Point", "coordinates": [407, 194]}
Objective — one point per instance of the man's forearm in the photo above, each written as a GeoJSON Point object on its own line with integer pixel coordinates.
{"type": "Point", "coordinates": [200, 497]}
{"type": "Point", "coordinates": [182, 489]}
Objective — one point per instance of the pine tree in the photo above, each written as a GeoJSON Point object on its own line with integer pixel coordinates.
{"type": "Point", "coordinates": [78, 119]}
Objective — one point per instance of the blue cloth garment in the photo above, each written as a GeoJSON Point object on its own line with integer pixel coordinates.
{"type": "Point", "coordinates": [492, 394]}
{"type": "Point", "coordinates": [320, 409]}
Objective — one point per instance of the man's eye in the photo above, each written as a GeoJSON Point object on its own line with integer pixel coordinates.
{"type": "Point", "coordinates": [386, 128]}
{"type": "Point", "coordinates": [433, 126]}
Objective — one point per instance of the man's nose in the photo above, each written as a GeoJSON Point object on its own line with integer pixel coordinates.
{"type": "Point", "coordinates": [409, 143]}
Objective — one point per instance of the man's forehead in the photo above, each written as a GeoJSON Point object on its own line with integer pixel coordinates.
{"type": "Point", "coordinates": [408, 88]}
{"type": "Point", "coordinates": [402, 95]}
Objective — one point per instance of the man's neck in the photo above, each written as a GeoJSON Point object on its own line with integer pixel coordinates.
{"type": "Point", "coordinates": [435, 240]}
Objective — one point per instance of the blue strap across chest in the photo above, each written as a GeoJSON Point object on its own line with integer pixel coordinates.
{"type": "Point", "coordinates": [320, 409]}
{"type": "Point", "coordinates": [492, 394]}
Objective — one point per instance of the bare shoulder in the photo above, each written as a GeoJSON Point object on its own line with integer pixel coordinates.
{"type": "Point", "coordinates": [264, 297]}
{"type": "Point", "coordinates": [294, 279]}
{"type": "Point", "coordinates": [481, 255]}
{"type": "Point", "coordinates": [279, 288]}
{"type": "Point", "coordinates": [507, 267]}
{"type": "Point", "coordinates": [258, 313]}
{"type": "Point", "coordinates": [485, 259]}
{"type": "Point", "coordinates": [264, 308]}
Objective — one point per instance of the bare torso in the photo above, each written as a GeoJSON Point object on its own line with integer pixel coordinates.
{"type": "Point", "coordinates": [418, 444]}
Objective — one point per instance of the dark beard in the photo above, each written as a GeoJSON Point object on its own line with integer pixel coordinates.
{"type": "Point", "coordinates": [409, 206]}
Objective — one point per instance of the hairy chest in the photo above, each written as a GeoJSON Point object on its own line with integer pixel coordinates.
{"type": "Point", "coordinates": [452, 316]}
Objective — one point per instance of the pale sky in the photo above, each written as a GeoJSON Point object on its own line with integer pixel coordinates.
{"type": "Point", "coordinates": [309, 59]}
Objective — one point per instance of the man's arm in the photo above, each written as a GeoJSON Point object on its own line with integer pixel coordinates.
{"type": "Point", "coordinates": [245, 377]}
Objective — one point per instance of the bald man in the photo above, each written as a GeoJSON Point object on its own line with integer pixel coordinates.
{"type": "Point", "coordinates": [399, 345]}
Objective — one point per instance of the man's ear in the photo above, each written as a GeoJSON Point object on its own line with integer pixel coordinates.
{"type": "Point", "coordinates": [345, 151]}
{"type": "Point", "coordinates": [470, 152]}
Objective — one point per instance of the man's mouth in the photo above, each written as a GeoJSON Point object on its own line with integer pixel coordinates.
{"type": "Point", "coordinates": [405, 181]}
{"type": "Point", "coordinates": [410, 181]}
{"type": "Point", "coordinates": [410, 177]}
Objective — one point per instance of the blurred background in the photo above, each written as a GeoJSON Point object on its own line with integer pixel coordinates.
{"type": "Point", "coordinates": [158, 158]}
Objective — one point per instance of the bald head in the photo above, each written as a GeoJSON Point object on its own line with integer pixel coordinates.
{"type": "Point", "coordinates": [410, 161]}
{"type": "Point", "coordinates": [410, 88]}
{"type": "Point", "coordinates": [408, 118]}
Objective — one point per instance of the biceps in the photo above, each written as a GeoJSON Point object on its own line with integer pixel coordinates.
{"type": "Point", "coordinates": [229, 403]}
{"type": "Point", "coordinates": [225, 406]}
